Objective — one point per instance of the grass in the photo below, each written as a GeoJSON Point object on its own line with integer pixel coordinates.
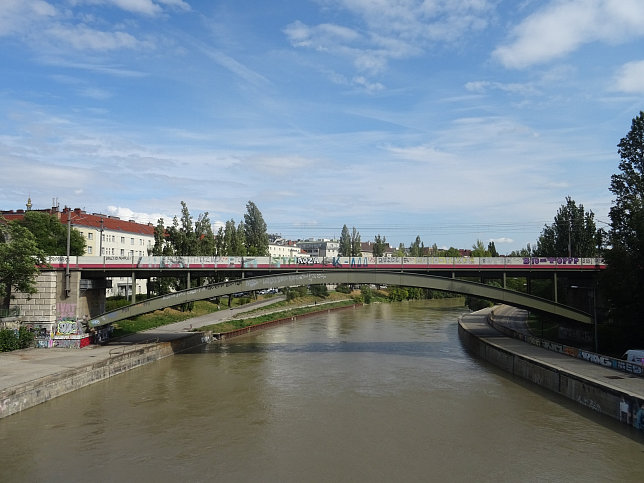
{"type": "Point", "coordinates": [158, 318]}
{"type": "Point", "coordinates": [170, 315]}
{"type": "Point", "coordinates": [267, 317]}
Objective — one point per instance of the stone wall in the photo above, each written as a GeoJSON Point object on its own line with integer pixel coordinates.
{"type": "Point", "coordinates": [39, 308]}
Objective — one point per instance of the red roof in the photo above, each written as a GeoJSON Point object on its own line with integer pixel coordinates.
{"type": "Point", "coordinates": [93, 220]}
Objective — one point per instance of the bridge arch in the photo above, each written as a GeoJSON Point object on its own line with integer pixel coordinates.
{"type": "Point", "coordinates": [497, 294]}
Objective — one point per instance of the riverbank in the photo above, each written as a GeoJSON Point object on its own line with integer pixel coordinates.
{"type": "Point", "coordinates": [604, 390]}
{"type": "Point", "coordinates": [33, 376]}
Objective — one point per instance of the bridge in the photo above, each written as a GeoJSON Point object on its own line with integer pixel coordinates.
{"type": "Point", "coordinates": [84, 279]}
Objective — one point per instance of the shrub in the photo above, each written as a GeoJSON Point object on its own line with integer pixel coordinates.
{"type": "Point", "coordinates": [11, 339]}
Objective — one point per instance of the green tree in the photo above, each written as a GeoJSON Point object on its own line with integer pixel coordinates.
{"type": "Point", "coordinates": [478, 250]}
{"type": "Point", "coordinates": [528, 251]}
{"type": "Point", "coordinates": [356, 248]}
{"type": "Point", "coordinates": [491, 248]}
{"type": "Point", "coordinates": [573, 233]}
{"type": "Point", "coordinates": [452, 252]}
{"type": "Point", "coordinates": [624, 278]}
{"type": "Point", "coordinates": [20, 258]}
{"type": "Point", "coordinates": [344, 249]}
{"type": "Point", "coordinates": [379, 246]}
{"type": "Point", "coordinates": [51, 234]}
{"type": "Point", "coordinates": [417, 248]}
{"type": "Point", "coordinates": [256, 236]}
{"type": "Point", "coordinates": [205, 238]}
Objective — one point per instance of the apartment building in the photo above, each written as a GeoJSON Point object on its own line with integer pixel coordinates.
{"type": "Point", "coordinates": [104, 236]}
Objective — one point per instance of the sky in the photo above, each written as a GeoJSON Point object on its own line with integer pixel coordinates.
{"type": "Point", "coordinates": [452, 120]}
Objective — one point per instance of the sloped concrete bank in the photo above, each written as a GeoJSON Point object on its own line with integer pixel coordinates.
{"type": "Point", "coordinates": [108, 363]}
{"type": "Point", "coordinates": [614, 394]}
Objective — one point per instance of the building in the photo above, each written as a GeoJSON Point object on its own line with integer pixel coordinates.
{"type": "Point", "coordinates": [285, 250]}
{"type": "Point", "coordinates": [320, 248]}
{"type": "Point", "coordinates": [104, 236]}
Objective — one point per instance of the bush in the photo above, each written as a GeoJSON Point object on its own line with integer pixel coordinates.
{"type": "Point", "coordinates": [343, 288]}
{"type": "Point", "coordinates": [11, 339]}
{"type": "Point", "coordinates": [319, 290]}
{"type": "Point", "coordinates": [367, 294]}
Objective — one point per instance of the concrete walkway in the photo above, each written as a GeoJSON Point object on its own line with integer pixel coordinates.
{"type": "Point", "coordinates": [476, 324]}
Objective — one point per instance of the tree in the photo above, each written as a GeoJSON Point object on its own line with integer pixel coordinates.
{"type": "Point", "coordinates": [417, 248]}
{"type": "Point", "coordinates": [256, 236]}
{"type": "Point", "coordinates": [624, 279]}
{"type": "Point", "coordinates": [51, 234]}
{"type": "Point", "coordinates": [20, 258]}
{"type": "Point", "coordinates": [205, 238]}
{"type": "Point", "coordinates": [344, 250]}
{"type": "Point", "coordinates": [573, 233]}
{"type": "Point", "coordinates": [491, 248]}
{"type": "Point", "coordinates": [379, 246]}
{"type": "Point", "coordinates": [356, 249]}
{"type": "Point", "coordinates": [523, 252]}
{"type": "Point", "coordinates": [478, 250]}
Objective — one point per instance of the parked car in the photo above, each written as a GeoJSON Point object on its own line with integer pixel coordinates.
{"type": "Point", "coordinates": [634, 355]}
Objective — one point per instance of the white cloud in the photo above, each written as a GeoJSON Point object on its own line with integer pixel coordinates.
{"type": "Point", "coordinates": [390, 30]}
{"type": "Point", "coordinates": [82, 37]}
{"type": "Point", "coordinates": [564, 26]}
{"type": "Point", "coordinates": [17, 16]}
{"type": "Point", "coordinates": [140, 217]}
{"type": "Point", "coordinates": [482, 87]}
{"type": "Point", "coordinates": [502, 239]}
{"type": "Point", "coordinates": [630, 78]}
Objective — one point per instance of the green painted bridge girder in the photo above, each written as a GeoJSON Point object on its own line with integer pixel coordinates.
{"type": "Point", "coordinates": [453, 285]}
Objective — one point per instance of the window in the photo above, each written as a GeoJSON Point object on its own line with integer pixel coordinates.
{"type": "Point", "coordinates": [131, 241]}
{"type": "Point", "coordinates": [122, 241]}
{"type": "Point", "coordinates": [89, 250]}
{"type": "Point", "coordinates": [90, 236]}
{"type": "Point", "coordinates": [122, 252]}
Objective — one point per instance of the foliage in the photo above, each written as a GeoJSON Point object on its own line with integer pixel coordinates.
{"type": "Point", "coordinates": [319, 290]}
{"type": "Point", "coordinates": [417, 248]}
{"type": "Point", "coordinates": [11, 339]}
{"type": "Point", "coordinates": [256, 236]}
{"type": "Point", "coordinates": [528, 251]}
{"type": "Point", "coordinates": [379, 246]}
{"type": "Point", "coordinates": [343, 288]}
{"type": "Point", "coordinates": [51, 234]}
{"type": "Point", "coordinates": [366, 293]}
{"type": "Point", "coordinates": [344, 250]}
{"type": "Point", "coordinates": [452, 252]}
{"type": "Point", "coordinates": [20, 258]}
{"type": "Point", "coordinates": [624, 278]}
{"type": "Point", "coordinates": [356, 249]}
{"type": "Point", "coordinates": [478, 250]}
{"type": "Point", "coordinates": [573, 233]}
{"type": "Point", "coordinates": [295, 292]}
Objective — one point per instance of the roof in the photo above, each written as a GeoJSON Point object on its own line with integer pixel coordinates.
{"type": "Point", "coordinates": [92, 220]}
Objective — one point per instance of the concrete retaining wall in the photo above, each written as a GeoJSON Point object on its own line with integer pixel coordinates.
{"type": "Point", "coordinates": [121, 359]}
{"type": "Point", "coordinates": [594, 395]}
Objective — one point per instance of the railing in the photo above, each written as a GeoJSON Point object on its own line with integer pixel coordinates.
{"type": "Point", "coordinates": [326, 263]}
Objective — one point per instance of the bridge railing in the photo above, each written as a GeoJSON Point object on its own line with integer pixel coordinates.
{"type": "Point", "coordinates": [324, 263]}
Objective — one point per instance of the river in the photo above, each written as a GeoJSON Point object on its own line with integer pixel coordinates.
{"type": "Point", "coordinates": [379, 393]}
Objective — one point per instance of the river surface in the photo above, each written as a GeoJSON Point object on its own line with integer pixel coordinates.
{"type": "Point", "coordinates": [383, 393]}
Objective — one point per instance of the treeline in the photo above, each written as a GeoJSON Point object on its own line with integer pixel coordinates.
{"type": "Point", "coordinates": [187, 237]}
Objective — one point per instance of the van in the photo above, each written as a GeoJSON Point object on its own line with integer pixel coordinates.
{"type": "Point", "coordinates": [634, 355]}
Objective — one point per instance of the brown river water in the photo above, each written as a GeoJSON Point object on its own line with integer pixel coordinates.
{"type": "Point", "coordinates": [376, 394]}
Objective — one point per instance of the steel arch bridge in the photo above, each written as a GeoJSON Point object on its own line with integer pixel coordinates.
{"type": "Point", "coordinates": [453, 285]}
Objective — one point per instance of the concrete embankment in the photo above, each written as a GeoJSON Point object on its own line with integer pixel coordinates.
{"type": "Point", "coordinates": [607, 391]}
{"type": "Point", "coordinates": [23, 385]}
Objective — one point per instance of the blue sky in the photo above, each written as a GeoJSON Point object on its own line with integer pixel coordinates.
{"type": "Point", "coordinates": [452, 120]}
